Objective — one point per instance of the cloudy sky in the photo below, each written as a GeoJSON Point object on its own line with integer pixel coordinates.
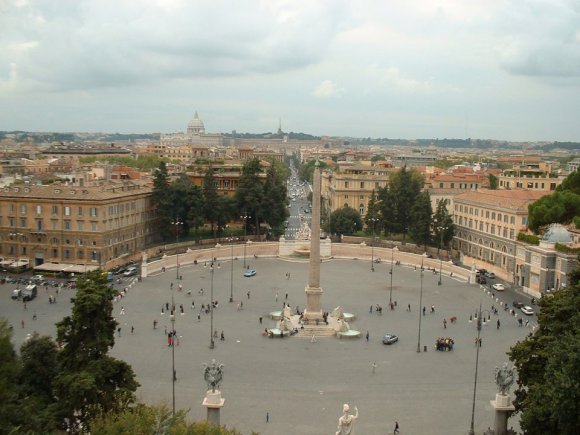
{"type": "Point", "coordinates": [500, 69]}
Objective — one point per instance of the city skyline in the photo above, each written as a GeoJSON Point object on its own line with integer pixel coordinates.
{"type": "Point", "coordinates": [489, 70]}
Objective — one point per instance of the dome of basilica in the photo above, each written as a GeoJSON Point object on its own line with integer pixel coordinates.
{"type": "Point", "coordinates": [195, 126]}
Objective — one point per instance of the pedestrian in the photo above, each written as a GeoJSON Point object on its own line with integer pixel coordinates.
{"type": "Point", "coordinates": [520, 321]}
{"type": "Point", "coordinates": [396, 427]}
{"type": "Point", "coordinates": [260, 320]}
{"type": "Point", "coordinates": [286, 296]}
{"type": "Point", "coordinates": [267, 416]}
{"type": "Point", "coordinates": [162, 310]}
{"type": "Point", "coordinates": [527, 322]}
{"type": "Point", "coordinates": [444, 323]}
{"type": "Point", "coordinates": [122, 311]}
{"type": "Point", "coordinates": [409, 308]}
{"type": "Point", "coordinates": [424, 310]}
{"type": "Point", "coordinates": [198, 318]}
{"type": "Point", "coordinates": [367, 336]}
{"type": "Point", "coordinates": [480, 342]}
{"type": "Point", "coordinates": [132, 329]}
{"type": "Point", "coordinates": [241, 305]}
{"type": "Point", "coordinates": [171, 286]}
{"type": "Point", "coordinates": [25, 306]}
{"type": "Point", "coordinates": [154, 324]}
{"type": "Point", "coordinates": [248, 294]}
{"type": "Point", "coordinates": [119, 331]}
{"type": "Point", "coordinates": [371, 310]}
{"type": "Point", "coordinates": [192, 305]}
{"type": "Point", "coordinates": [498, 324]}
{"type": "Point", "coordinates": [373, 367]}
{"type": "Point", "coordinates": [432, 308]}
{"type": "Point", "coordinates": [222, 337]}
{"type": "Point", "coordinates": [34, 316]}
{"type": "Point", "coordinates": [276, 296]}
{"type": "Point", "coordinates": [22, 324]}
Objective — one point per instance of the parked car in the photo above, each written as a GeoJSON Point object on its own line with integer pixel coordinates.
{"type": "Point", "coordinates": [482, 271]}
{"type": "Point", "coordinates": [29, 292]}
{"type": "Point", "coordinates": [490, 275]}
{"type": "Point", "coordinates": [130, 271]}
{"type": "Point", "coordinates": [390, 339]}
{"type": "Point", "coordinates": [527, 310]}
{"type": "Point", "coordinates": [518, 304]}
{"type": "Point", "coordinates": [16, 293]}
{"type": "Point", "coordinates": [250, 272]}
{"type": "Point", "coordinates": [481, 279]}
{"type": "Point", "coordinates": [498, 287]}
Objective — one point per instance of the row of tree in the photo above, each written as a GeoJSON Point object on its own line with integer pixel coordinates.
{"type": "Point", "coordinates": [401, 207]}
{"type": "Point", "coordinates": [182, 206]}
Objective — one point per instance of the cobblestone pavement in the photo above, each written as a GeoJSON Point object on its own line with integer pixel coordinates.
{"type": "Point", "coordinates": [303, 384]}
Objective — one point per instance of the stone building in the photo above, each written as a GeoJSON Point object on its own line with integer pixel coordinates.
{"type": "Point", "coordinates": [54, 227]}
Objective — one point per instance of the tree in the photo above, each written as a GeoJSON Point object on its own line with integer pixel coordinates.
{"type": "Point", "coordinates": [345, 220]}
{"type": "Point", "coordinates": [162, 200]}
{"type": "Point", "coordinates": [420, 218]}
{"type": "Point", "coordinates": [9, 370]}
{"type": "Point", "coordinates": [493, 182]}
{"type": "Point", "coordinates": [404, 186]}
{"type": "Point", "coordinates": [90, 382]}
{"type": "Point", "coordinates": [443, 227]}
{"type": "Point", "coordinates": [548, 365]}
{"type": "Point", "coordinates": [250, 192]}
{"type": "Point", "coordinates": [274, 208]}
{"type": "Point", "coordinates": [210, 199]}
{"type": "Point", "coordinates": [387, 210]}
{"type": "Point", "coordinates": [373, 216]}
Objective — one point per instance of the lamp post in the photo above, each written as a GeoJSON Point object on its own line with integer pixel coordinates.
{"type": "Point", "coordinates": [391, 273]}
{"type": "Point", "coordinates": [480, 320]}
{"type": "Point", "coordinates": [245, 217]}
{"type": "Point", "coordinates": [373, 220]}
{"type": "Point", "coordinates": [231, 240]}
{"type": "Point", "coordinates": [420, 307]}
{"type": "Point", "coordinates": [173, 377]}
{"type": "Point", "coordinates": [177, 222]}
{"type": "Point", "coordinates": [212, 266]}
{"type": "Point", "coordinates": [441, 229]}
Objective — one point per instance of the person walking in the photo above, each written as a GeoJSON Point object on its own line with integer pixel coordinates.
{"type": "Point", "coordinates": [367, 336]}
{"type": "Point", "coordinates": [373, 367]}
{"type": "Point", "coordinates": [154, 324]}
{"type": "Point", "coordinates": [248, 294]}
{"type": "Point", "coordinates": [267, 416]}
{"type": "Point", "coordinates": [498, 323]}
{"type": "Point", "coordinates": [409, 308]}
{"type": "Point", "coordinates": [276, 296]}
{"type": "Point", "coordinates": [396, 427]}
{"type": "Point", "coordinates": [444, 323]}
{"type": "Point", "coordinates": [132, 329]}
{"type": "Point", "coordinates": [34, 316]}
{"type": "Point", "coordinates": [260, 320]}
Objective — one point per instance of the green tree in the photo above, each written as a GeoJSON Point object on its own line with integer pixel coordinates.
{"type": "Point", "coordinates": [387, 210]}
{"type": "Point", "coordinates": [548, 365]}
{"type": "Point", "coordinates": [404, 186]}
{"type": "Point", "coordinates": [420, 218]}
{"type": "Point", "coordinates": [373, 217]}
{"type": "Point", "coordinates": [9, 371]}
{"type": "Point", "coordinates": [39, 368]}
{"type": "Point", "coordinates": [345, 220]}
{"type": "Point", "coordinates": [306, 170]}
{"type": "Point", "coordinates": [210, 199]}
{"type": "Point", "coordinates": [90, 382]}
{"type": "Point", "coordinates": [274, 206]}
{"type": "Point", "coordinates": [250, 192]}
{"type": "Point", "coordinates": [493, 182]}
{"type": "Point", "coordinates": [162, 200]}
{"type": "Point", "coordinates": [443, 227]}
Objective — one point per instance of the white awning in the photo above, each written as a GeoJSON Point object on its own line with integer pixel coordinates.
{"type": "Point", "coordinates": [65, 267]}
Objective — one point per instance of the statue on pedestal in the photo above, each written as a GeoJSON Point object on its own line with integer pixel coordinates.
{"type": "Point", "coordinates": [504, 378]}
{"type": "Point", "coordinates": [346, 421]}
{"type": "Point", "coordinates": [213, 375]}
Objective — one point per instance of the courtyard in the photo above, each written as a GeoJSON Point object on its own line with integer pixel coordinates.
{"type": "Point", "coordinates": [299, 383]}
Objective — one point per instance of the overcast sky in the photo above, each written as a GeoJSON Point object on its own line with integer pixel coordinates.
{"type": "Point", "coordinates": [496, 69]}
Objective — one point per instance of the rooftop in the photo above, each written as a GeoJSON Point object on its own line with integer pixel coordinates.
{"type": "Point", "coordinates": [516, 200]}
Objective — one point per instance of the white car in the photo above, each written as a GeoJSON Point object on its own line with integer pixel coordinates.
{"type": "Point", "coordinates": [527, 310]}
{"type": "Point", "coordinates": [498, 287]}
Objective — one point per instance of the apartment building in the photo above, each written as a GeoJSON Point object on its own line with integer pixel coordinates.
{"type": "Point", "coordinates": [55, 227]}
{"type": "Point", "coordinates": [487, 225]}
{"type": "Point", "coordinates": [531, 176]}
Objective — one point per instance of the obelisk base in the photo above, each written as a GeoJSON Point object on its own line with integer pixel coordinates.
{"type": "Point", "coordinates": [503, 409]}
{"type": "Point", "coordinates": [313, 311]}
{"type": "Point", "coordinates": [213, 402]}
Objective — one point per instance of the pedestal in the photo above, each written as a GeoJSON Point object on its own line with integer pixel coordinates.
{"type": "Point", "coordinates": [313, 310]}
{"type": "Point", "coordinates": [213, 402]}
{"type": "Point", "coordinates": [503, 408]}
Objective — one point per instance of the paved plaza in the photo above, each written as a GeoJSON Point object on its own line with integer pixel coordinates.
{"type": "Point", "coordinates": [301, 384]}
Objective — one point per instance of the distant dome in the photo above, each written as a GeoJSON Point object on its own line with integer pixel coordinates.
{"type": "Point", "coordinates": [557, 234]}
{"type": "Point", "coordinates": [195, 126]}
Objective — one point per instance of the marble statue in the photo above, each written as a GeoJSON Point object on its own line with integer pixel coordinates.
{"type": "Point", "coordinates": [346, 421]}
{"type": "Point", "coordinates": [504, 378]}
{"type": "Point", "coordinates": [213, 374]}
{"type": "Point", "coordinates": [343, 326]}
{"type": "Point", "coordinates": [286, 324]}
{"type": "Point", "coordinates": [337, 313]}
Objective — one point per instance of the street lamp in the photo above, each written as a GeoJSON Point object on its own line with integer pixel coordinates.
{"type": "Point", "coordinates": [373, 220]}
{"type": "Point", "coordinates": [391, 273]}
{"type": "Point", "coordinates": [477, 346]}
{"type": "Point", "coordinates": [232, 239]}
{"type": "Point", "coordinates": [177, 222]}
{"type": "Point", "coordinates": [245, 217]}
{"type": "Point", "coordinates": [212, 267]}
{"type": "Point", "coordinates": [420, 307]}
{"type": "Point", "coordinates": [441, 229]}
{"type": "Point", "coordinates": [173, 377]}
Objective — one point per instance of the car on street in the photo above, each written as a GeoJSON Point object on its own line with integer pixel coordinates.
{"type": "Point", "coordinates": [29, 292]}
{"type": "Point", "coordinates": [527, 310]}
{"type": "Point", "coordinates": [130, 271]}
{"type": "Point", "coordinates": [390, 338]}
{"type": "Point", "coordinates": [481, 279]}
{"type": "Point", "coordinates": [16, 293]}
{"type": "Point", "coordinates": [490, 275]}
{"type": "Point", "coordinates": [249, 273]}
{"type": "Point", "coordinates": [518, 304]}
{"type": "Point", "coordinates": [498, 287]}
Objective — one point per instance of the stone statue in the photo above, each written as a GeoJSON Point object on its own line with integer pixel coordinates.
{"type": "Point", "coordinates": [337, 313]}
{"type": "Point", "coordinates": [504, 378]}
{"type": "Point", "coordinates": [213, 374]}
{"type": "Point", "coordinates": [286, 324]}
{"type": "Point", "coordinates": [346, 421]}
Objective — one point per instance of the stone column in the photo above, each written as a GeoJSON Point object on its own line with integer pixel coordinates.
{"type": "Point", "coordinates": [313, 291]}
{"type": "Point", "coordinates": [503, 408]}
{"type": "Point", "coordinates": [213, 402]}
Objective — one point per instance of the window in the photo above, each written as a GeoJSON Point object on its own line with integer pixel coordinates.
{"type": "Point", "coordinates": [362, 184]}
{"type": "Point", "coordinates": [80, 211]}
{"type": "Point", "coordinates": [492, 228]}
{"type": "Point", "coordinates": [22, 208]}
{"type": "Point", "coordinates": [93, 211]}
{"type": "Point", "coordinates": [345, 196]}
{"type": "Point", "coordinates": [346, 184]}
{"type": "Point", "coordinates": [80, 225]}
{"type": "Point", "coordinates": [22, 222]}
{"type": "Point", "coordinates": [505, 218]}
{"type": "Point", "coordinates": [38, 210]}
{"type": "Point", "coordinates": [493, 215]}
{"type": "Point", "coordinates": [54, 224]}
{"type": "Point", "coordinates": [511, 234]}
{"type": "Point", "coordinates": [487, 214]}
{"type": "Point", "coordinates": [67, 253]}
{"type": "Point", "coordinates": [11, 222]}
{"type": "Point", "coordinates": [93, 226]}
{"type": "Point", "coordinates": [54, 209]}
{"type": "Point", "coordinates": [67, 225]}
{"type": "Point", "coordinates": [505, 232]}
{"type": "Point", "coordinates": [512, 220]}
{"type": "Point", "coordinates": [499, 217]}
{"type": "Point", "coordinates": [524, 220]}
{"type": "Point", "coordinates": [67, 211]}
{"type": "Point", "coordinates": [10, 208]}
{"type": "Point", "coordinates": [440, 185]}
{"type": "Point", "coordinates": [453, 185]}
{"type": "Point", "coordinates": [80, 253]}
{"type": "Point", "coordinates": [39, 225]}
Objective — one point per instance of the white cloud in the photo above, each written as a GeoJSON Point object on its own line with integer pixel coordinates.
{"type": "Point", "coordinates": [327, 89]}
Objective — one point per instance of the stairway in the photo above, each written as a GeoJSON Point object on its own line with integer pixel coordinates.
{"type": "Point", "coordinates": [317, 331]}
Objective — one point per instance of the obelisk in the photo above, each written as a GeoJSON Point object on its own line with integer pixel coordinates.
{"type": "Point", "coordinates": [313, 310]}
